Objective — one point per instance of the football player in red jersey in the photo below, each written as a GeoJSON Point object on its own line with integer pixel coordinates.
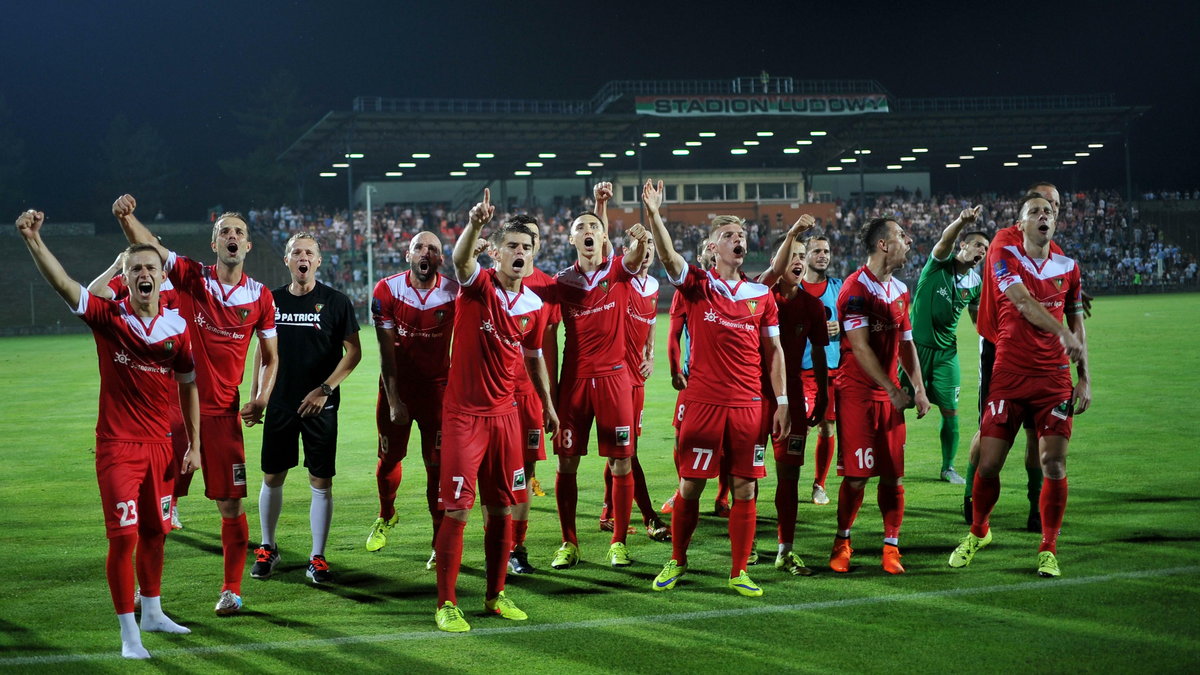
{"type": "Point", "coordinates": [142, 347]}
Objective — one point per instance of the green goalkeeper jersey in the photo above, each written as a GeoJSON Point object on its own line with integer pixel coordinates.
{"type": "Point", "coordinates": [939, 300]}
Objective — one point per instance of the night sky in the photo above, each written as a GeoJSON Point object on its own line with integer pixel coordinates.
{"type": "Point", "coordinates": [68, 68]}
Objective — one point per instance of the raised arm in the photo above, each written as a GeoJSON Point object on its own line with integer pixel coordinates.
{"type": "Point", "coordinates": [99, 286]}
{"type": "Point", "coordinates": [134, 230]}
{"type": "Point", "coordinates": [784, 255]}
{"type": "Point", "coordinates": [481, 214]}
{"type": "Point", "coordinates": [602, 192]}
{"type": "Point", "coordinates": [29, 226]}
{"type": "Point", "coordinates": [673, 263]}
{"type": "Point", "coordinates": [635, 252]}
{"type": "Point", "coordinates": [945, 246]}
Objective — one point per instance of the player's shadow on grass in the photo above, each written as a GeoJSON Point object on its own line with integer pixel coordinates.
{"type": "Point", "coordinates": [21, 640]}
{"type": "Point", "coordinates": [355, 585]}
{"type": "Point", "coordinates": [204, 542]}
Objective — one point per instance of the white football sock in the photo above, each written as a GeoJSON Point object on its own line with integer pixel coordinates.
{"type": "Point", "coordinates": [154, 621]}
{"type": "Point", "coordinates": [131, 638]}
{"type": "Point", "coordinates": [320, 513]}
{"type": "Point", "coordinates": [270, 504]}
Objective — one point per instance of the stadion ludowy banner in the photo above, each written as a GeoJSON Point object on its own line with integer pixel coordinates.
{"type": "Point", "coordinates": [815, 104]}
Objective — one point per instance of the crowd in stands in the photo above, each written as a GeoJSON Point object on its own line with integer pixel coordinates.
{"type": "Point", "coordinates": [1117, 250]}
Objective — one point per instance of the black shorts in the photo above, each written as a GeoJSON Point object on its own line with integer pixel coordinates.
{"type": "Point", "coordinates": [987, 359]}
{"type": "Point", "coordinates": [282, 431]}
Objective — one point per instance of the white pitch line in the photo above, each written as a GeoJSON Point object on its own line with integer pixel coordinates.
{"type": "Point", "coordinates": [1046, 585]}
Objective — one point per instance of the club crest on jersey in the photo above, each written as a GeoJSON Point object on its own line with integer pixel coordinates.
{"type": "Point", "coordinates": [760, 455]}
{"type": "Point", "coordinates": [317, 308]}
{"type": "Point", "coordinates": [622, 435]}
{"type": "Point", "coordinates": [753, 305]}
{"type": "Point", "coordinates": [604, 285]}
{"type": "Point", "coordinates": [518, 479]}
{"type": "Point", "coordinates": [524, 321]}
{"type": "Point", "coordinates": [439, 315]}
{"type": "Point", "coordinates": [1058, 283]}
{"type": "Point", "coordinates": [900, 303]}
{"type": "Point", "coordinates": [164, 507]}
{"type": "Point", "coordinates": [169, 345]}
{"type": "Point", "coordinates": [243, 313]}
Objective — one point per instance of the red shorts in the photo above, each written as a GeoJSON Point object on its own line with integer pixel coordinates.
{"type": "Point", "coordinates": [789, 450]}
{"type": "Point", "coordinates": [810, 394]}
{"type": "Point", "coordinates": [483, 450]}
{"type": "Point", "coordinates": [136, 481]}
{"type": "Point", "coordinates": [424, 408]}
{"type": "Point", "coordinates": [532, 427]}
{"type": "Point", "coordinates": [1012, 398]}
{"type": "Point", "coordinates": [639, 406]}
{"type": "Point", "coordinates": [715, 439]}
{"type": "Point", "coordinates": [606, 399]}
{"type": "Point", "coordinates": [222, 456]}
{"type": "Point", "coordinates": [870, 436]}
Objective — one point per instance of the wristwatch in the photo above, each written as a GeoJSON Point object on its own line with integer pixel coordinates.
{"type": "Point", "coordinates": [326, 389]}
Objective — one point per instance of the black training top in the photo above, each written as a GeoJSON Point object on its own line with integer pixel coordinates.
{"type": "Point", "coordinates": [311, 329]}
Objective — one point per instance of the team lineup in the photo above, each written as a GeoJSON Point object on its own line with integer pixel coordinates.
{"type": "Point", "coordinates": [470, 356]}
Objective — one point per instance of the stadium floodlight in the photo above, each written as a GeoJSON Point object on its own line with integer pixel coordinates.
{"type": "Point", "coordinates": [920, 149]}
{"type": "Point", "coordinates": [681, 151]}
{"type": "Point", "coordinates": [1069, 162]}
{"type": "Point", "coordinates": [522, 173]}
{"type": "Point", "coordinates": [833, 168]}
{"type": "Point", "coordinates": [707, 134]}
{"type": "Point", "coordinates": [354, 155]}
{"type": "Point", "coordinates": [534, 165]}
{"type": "Point", "coordinates": [1024, 155]}
{"type": "Point", "coordinates": [966, 156]}
{"type": "Point", "coordinates": [1095, 145]}
{"type": "Point", "coordinates": [791, 151]}
{"type": "Point", "coordinates": [738, 151]}
{"type": "Point", "coordinates": [750, 143]}
{"type": "Point", "coordinates": [1012, 164]}
{"type": "Point", "coordinates": [862, 152]}
{"type": "Point", "coordinates": [804, 141]}
{"type": "Point", "coordinates": [817, 133]}
{"type": "Point", "coordinates": [595, 163]}
{"type": "Point", "coordinates": [458, 173]}
{"type": "Point", "coordinates": [1083, 154]}
{"type": "Point", "coordinates": [1037, 147]}
{"type": "Point", "coordinates": [629, 153]}
{"type": "Point", "coordinates": [693, 144]}
{"type": "Point", "coordinates": [894, 167]}
{"type": "Point", "coordinates": [484, 155]}
{"type": "Point", "coordinates": [642, 144]}
{"type": "Point", "coordinates": [421, 155]}
{"type": "Point", "coordinates": [407, 165]}
{"type": "Point", "coordinates": [583, 172]}
{"type": "Point", "coordinates": [340, 165]}
{"type": "Point", "coordinates": [393, 174]}
{"type": "Point", "coordinates": [471, 165]}
{"type": "Point", "coordinates": [764, 134]}
{"type": "Point", "coordinates": [908, 158]}
{"type": "Point", "coordinates": [979, 148]}
{"type": "Point", "coordinates": [328, 174]}
{"type": "Point", "coordinates": [847, 160]}
{"type": "Point", "coordinates": [953, 166]}
{"type": "Point", "coordinates": [608, 155]}
{"type": "Point", "coordinates": [547, 155]}
{"type": "Point", "coordinates": [651, 134]}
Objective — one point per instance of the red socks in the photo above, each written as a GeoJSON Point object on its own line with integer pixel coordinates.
{"type": "Point", "coordinates": [449, 545]}
{"type": "Point", "coordinates": [825, 448]}
{"type": "Point", "coordinates": [849, 500]}
{"type": "Point", "coordinates": [891, 505]}
{"type": "Point", "coordinates": [743, 518]}
{"type": "Point", "coordinates": [787, 504]}
{"type": "Point", "coordinates": [235, 535]}
{"type": "Point", "coordinates": [150, 564]}
{"type": "Point", "coordinates": [641, 494]}
{"type": "Point", "coordinates": [683, 524]}
{"type": "Point", "coordinates": [622, 506]}
{"type": "Point", "coordinates": [118, 567]}
{"type": "Point", "coordinates": [986, 492]}
{"type": "Point", "coordinates": [387, 477]}
{"type": "Point", "coordinates": [519, 528]}
{"type": "Point", "coordinates": [1052, 504]}
{"type": "Point", "coordinates": [566, 493]}
{"type": "Point", "coordinates": [497, 542]}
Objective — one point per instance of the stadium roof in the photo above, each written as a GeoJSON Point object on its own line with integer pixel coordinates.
{"type": "Point", "coordinates": [674, 125]}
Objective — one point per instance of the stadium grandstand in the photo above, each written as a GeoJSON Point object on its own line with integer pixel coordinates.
{"type": "Point", "coordinates": [764, 148]}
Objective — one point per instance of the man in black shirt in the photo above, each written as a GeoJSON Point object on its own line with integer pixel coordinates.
{"type": "Point", "coordinates": [318, 347]}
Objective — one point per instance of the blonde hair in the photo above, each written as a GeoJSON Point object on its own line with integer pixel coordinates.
{"type": "Point", "coordinates": [287, 248]}
{"type": "Point", "coordinates": [721, 221]}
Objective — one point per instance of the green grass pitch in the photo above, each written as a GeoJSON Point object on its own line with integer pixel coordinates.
{"type": "Point", "coordinates": [1128, 598]}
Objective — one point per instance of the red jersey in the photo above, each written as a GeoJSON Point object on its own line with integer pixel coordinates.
{"type": "Point", "coordinates": [1022, 347]}
{"type": "Point", "coordinates": [423, 321]}
{"type": "Point", "coordinates": [675, 336]}
{"type": "Point", "coordinates": [223, 318]}
{"type": "Point", "coordinates": [540, 284]}
{"type": "Point", "coordinates": [801, 319]}
{"type": "Point", "coordinates": [987, 321]}
{"type": "Point", "coordinates": [493, 331]}
{"type": "Point", "coordinates": [881, 309]}
{"type": "Point", "coordinates": [169, 298]}
{"type": "Point", "coordinates": [593, 312]}
{"type": "Point", "coordinates": [137, 358]}
{"type": "Point", "coordinates": [726, 323]}
{"type": "Point", "coordinates": [642, 313]}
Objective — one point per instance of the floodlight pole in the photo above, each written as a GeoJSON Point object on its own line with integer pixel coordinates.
{"type": "Point", "coordinates": [370, 241]}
